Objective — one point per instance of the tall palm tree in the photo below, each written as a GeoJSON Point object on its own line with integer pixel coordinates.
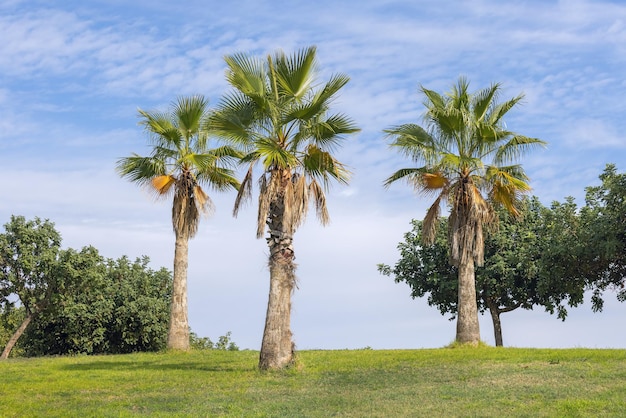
{"type": "Point", "coordinates": [281, 121]}
{"type": "Point", "coordinates": [467, 155]}
{"type": "Point", "coordinates": [179, 165]}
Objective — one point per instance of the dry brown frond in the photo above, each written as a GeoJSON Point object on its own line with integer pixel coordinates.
{"type": "Point", "coordinates": [300, 200]}
{"type": "Point", "coordinates": [429, 229]}
{"type": "Point", "coordinates": [162, 184]}
{"type": "Point", "coordinates": [264, 205]}
{"type": "Point", "coordinates": [244, 192]}
{"type": "Point", "coordinates": [204, 202]}
{"type": "Point", "coordinates": [434, 181]}
{"type": "Point", "coordinates": [319, 198]}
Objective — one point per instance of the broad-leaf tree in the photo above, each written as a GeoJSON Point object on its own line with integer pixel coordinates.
{"type": "Point", "coordinates": [466, 158]}
{"type": "Point", "coordinates": [107, 307]}
{"type": "Point", "coordinates": [28, 258]}
{"type": "Point", "coordinates": [279, 114]}
{"type": "Point", "coordinates": [180, 165]}
{"type": "Point", "coordinates": [604, 230]}
{"type": "Point", "coordinates": [524, 264]}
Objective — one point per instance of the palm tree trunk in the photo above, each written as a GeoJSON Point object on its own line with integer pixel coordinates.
{"type": "Point", "coordinates": [178, 333]}
{"type": "Point", "coordinates": [277, 347]}
{"type": "Point", "coordinates": [467, 327]}
{"type": "Point", "coordinates": [16, 336]}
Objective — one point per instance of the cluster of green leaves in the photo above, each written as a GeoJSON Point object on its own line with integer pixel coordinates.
{"type": "Point", "coordinates": [116, 306]}
{"type": "Point", "coordinates": [204, 343]}
{"type": "Point", "coordinates": [77, 301]}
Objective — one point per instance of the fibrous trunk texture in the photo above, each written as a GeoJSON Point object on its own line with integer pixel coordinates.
{"type": "Point", "coordinates": [178, 333]}
{"type": "Point", "coordinates": [467, 327]}
{"type": "Point", "coordinates": [277, 348]}
{"type": "Point", "coordinates": [16, 336]}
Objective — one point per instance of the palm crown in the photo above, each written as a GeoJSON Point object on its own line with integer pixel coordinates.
{"type": "Point", "coordinates": [278, 118]}
{"type": "Point", "coordinates": [467, 155]}
{"type": "Point", "coordinates": [180, 162]}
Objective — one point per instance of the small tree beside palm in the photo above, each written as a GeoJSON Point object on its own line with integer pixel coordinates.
{"type": "Point", "coordinates": [466, 156]}
{"type": "Point", "coordinates": [180, 164]}
{"type": "Point", "coordinates": [281, 121]}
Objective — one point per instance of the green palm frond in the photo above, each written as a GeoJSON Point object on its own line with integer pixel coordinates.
{"type": "Point", "coordinates": [411, 175]}
{"type": "Point", "coordinates": [515, 147]}
{"type": "Point", "coordinates": [274, 155]}
{"type": "Point", "coordinates": [414, 142]}
{"type": "Point", "coordinates": [190, 112]}
{"type": "Point", "coordinates": [502, 109]}
{"type": "Point", "coordinates": [324, 133]}
{"type": "Point", "coordinates": [294, 74]}
{"type": "Point", "coordinates": [433, 99]}
{"type": "Point", "coordinates": [246, 74]}
{"type": "Point", "coordinates": [161, 128]}
{"type": "Point", "coordinates": [321, 165]}
{"type": "Point", "coordinates": [483, 101]}
{"type": "Point", "coordinates": [139, 169]}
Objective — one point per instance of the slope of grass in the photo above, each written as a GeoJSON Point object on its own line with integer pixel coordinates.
{"type": "Point", "coordinates": [352, 383]}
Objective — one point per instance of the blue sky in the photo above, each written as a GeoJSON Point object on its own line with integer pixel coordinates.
{"type": "Point", "coordinates": [73, 73]}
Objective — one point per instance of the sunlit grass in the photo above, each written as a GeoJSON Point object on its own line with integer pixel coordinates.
{"type": "Point", "coordinates": [355, 383]}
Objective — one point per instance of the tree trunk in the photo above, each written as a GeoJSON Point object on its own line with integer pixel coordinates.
{"type": "Point", "coordinates": [16, 336]}
{"type": "Point", "coordinates": [497, 325]}
{"type": "Point", "coordinates": [467, 327]}
{"type": "Point", "coordinates": [277, 348]}
{"type": "Point", "coordinates": [178, 333]}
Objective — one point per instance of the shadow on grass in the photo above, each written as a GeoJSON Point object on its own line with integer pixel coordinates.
{"type": "Point", "coordinates": [210, 365]}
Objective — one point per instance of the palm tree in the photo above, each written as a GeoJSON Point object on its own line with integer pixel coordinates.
{"type": "Point", "coordinates": [281, 121]}
{"type": "Point", "coordinates": [179, 165]}
{"type": "Point", "coordinates": [467, 155]}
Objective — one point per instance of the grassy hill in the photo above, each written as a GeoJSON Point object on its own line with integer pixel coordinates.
{"type": "Point", "coordinates": [349, 383]}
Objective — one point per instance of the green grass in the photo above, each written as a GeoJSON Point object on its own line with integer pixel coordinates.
{"type": "Point", "coordinates": [468, 382]}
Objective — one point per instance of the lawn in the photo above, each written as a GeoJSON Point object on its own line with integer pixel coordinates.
{"type": "Point", "coordinates": [446, 382]}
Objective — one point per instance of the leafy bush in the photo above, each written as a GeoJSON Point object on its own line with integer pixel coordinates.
{"type": "Point", "coordinates": [204, 343]}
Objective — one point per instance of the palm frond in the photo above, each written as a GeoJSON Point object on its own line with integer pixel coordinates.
{"type": "Point", "coordinates": [321, 165]}
{"type": "Point", "coordinates": [246, 74]}
{"type": "Point", "coordinates": [245, 190]}
{"type": "Point", "coordinates": [502, 109]}
{"type": "Point", "coordinates": [140, 169]}
{"type": "Point", "coordinates": [295, 73]}
{"type": "Point", "coordinates": [319, 200]}
{"type": "Point", "coordinates": [190, 113]}
{"type": "Point", "coordinates": [515, 147]}
{"type": "Point", "coordinates": [484, 100]}
{"type": "Point", "coordinates": [274, 155]}
{"type": "Point", "coordinates": [411, 175]}
{"type": "Point", "coordinates": [429, 226]}
{"type": "Point", "coordinates": [414, 142]}
{"type": "Point", "coordinates": [326, 133]}
{"type": "Point", "coordinates": [163, 184]}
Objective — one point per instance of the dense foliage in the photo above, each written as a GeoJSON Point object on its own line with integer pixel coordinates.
{"type": "Point", "coordinates": [113, 306]}
{"type": "Point", "coordinates": [69, 301]}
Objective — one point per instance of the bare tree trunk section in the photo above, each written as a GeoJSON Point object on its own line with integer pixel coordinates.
{"type": "Point", "coordinates": [178, 333]}
{"type": "Point", "coordinates": [497, 325]}
{"type": "Point", "coordinates": [16, 336]}
{"type": "Point", "coordinates": [467, 327]}
{"type": "Point", "coordinates": [277, 346]}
